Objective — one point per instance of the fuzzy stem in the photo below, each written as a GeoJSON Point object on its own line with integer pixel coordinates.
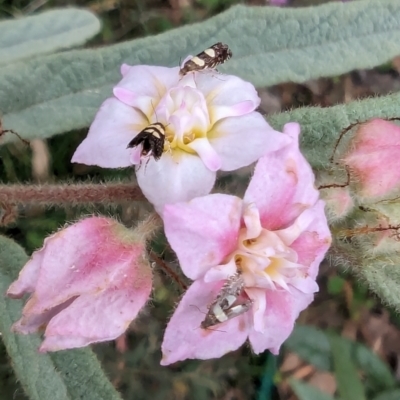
{"type": "Point", "coordinates": [70, 194]}
{"type": "Point", "coordinates": [169, 271]}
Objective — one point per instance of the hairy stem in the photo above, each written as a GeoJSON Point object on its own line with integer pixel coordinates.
{"type": "Point", "coordinates": [70, 193]}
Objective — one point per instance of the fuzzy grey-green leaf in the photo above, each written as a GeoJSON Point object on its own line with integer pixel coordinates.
{"type": "Point", "coordinates": [69, 375]}
{"type": "Point", "coordinates": [44, 33]}
{"type": "Point", "coordinates": [54, 94]}
{"type": "Point", "coordinates": [321, 127]}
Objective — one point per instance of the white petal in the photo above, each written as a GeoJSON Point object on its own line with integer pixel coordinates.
{"type": "Point", "coordinates": [174, 178]}
{"type": "Point", "coordinates": [240, 141]}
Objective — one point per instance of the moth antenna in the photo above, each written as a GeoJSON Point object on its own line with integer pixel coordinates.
{"type": "Point", "coordinates": [192, 305]}
{"type": "Point", "coordinates": [208, 329]}
{"type": "Point", "coordinates": [215, 330]}
{"type": "Point", "coordinates": [154, 110]}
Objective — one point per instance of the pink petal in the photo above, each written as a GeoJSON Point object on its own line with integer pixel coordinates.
{"type": "Point", "coordinates": [207, 153]}
{"type": "Point", "coordinates": [125, 68]}
{"type": "Point", "coordinates": [95, 317]}
{"type": "Point", "coordinates": [281, 312]}
{"type": "Point", "coordinates": [114, 126]}
{"type": "Point", "coordinates": [305, 285]}
{"type": "Point", "coordinates": [339, 202]}
{"type": "Point", "coordinates": [174, 178]}
{"type": "Point", "coordinates": [241, 141]}
{"type": "Point", "coordinates": [375, 141]}
{"type": "Point", "coordinates": [221, 271]}
{"type": "Point", "coordinates": [31, 323]}
{"type": "Point", "coordinates": [85, 259]}
{"type": "Point", "coordinates": [185, 339]}
{"type": "Point", "coordinates": [259, 306]}
{"type": "Point", "coordinates": [27, 278]}
{"type": "Point", "coordinates": [227, 95]}
{"type": "Point", "coordinates": [203, 232]}
{"type": "Point", "coordinates": [147, 84]}
{"type": "Point", "coordinates": [312, 245]}
{"type": "Point", "coordinates": [283, 184]}
{"type": "Point", "coordinates": [136, 155]}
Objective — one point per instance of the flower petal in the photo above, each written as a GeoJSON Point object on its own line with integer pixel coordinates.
{"type": "Point", "coordinates": [227, 95]}
{"type": "Point", "coordinates": [176, 178]}
{"type": "Point", "coordinates": [81, 267]}
{"type": "Point", "coordinates": [114, 126]}
{"type": "Point", "coordinates": [243, 140]}
{"type": "Point", "coordinates": [312, 244]}
{"type": "Point", "coordinates": [95, 317]}
{"type": "Point", "coordinates": [27, 278]}
{"type": "Point", "coordinates": [283, 184]}
{"type": "Point", "coordinates": [203, 232]}
{"type": "Point", "coordinates": [281, 311]}
{"type": "Point", "coordinates": [185, 339]}
{"type": "Point", "coordinates": [207, 153]}
{"type": "Point", "coordinates": [147, 83]}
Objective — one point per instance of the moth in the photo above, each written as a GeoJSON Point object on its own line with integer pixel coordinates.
{"type": "Point", "coordinates": [152, 139]}
{"type": "Point", "coordinates": [215, 55]}
{"type": "Point", "coordinates": [230, 302]}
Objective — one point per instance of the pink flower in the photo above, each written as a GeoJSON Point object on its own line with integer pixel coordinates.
{"type": "Point", "coordinates": [275, 238]}
{"type": "Point", "coordinates": [210, 123]}
{"type": "Point", "coordinates": [374, 157]}
{"type": "Point", "coordinates": [87, 284]}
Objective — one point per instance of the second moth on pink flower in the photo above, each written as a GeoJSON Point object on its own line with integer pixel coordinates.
{"type": "Point", "coordinates": [210, 123]}
{"type": "Point", "coordinates": [275, 237]}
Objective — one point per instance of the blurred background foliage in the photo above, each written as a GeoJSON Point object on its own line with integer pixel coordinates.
{"type": "Point", "coordinates": [346, 345]}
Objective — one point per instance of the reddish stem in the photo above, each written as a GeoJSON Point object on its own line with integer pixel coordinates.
{"type": "Point", "coordinates": [169, 271]}
{"type": "Point", "coordinates": [70, 194]}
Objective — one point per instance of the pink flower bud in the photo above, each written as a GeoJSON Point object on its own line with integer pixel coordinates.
{"type": "Point", "coordinates": [87, 284]}
{"type": "Point", "coordinates": [374, 158]}
{"type": "Point", "coordinates": [339, 202]}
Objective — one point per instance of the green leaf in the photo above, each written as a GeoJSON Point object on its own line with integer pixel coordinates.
{"type": "Point", "coordinates": [45, 33]}
{"type": "Point", "coordinates": [62, 92]}
{"type": "Point", "coordinates": [347, 379]}
{"type": "Point", "coordinates": [304, 391]}
{"type": "Point", "coordinates": [321, 127]}
{"type": "Point", "coordinates": [70, 375]}
{"type": "Point", "coordinates": [314, 346]}
{"type": "Point", "coordinates": [389, 395]}
{"type": "Point", "coordinates": [383, 277]}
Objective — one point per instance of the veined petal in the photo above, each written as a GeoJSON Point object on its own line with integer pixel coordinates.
{"type": "Point", "coordinates": [283, 184]}
{"type": "Point", "coordinates": [240, 141]}
{"type": "Point", "coordinates": [185, 339]}
{"type": "Point", "coordinates": [174, 178]}
{"type": "Point", "coordinates": [114, 126]}
{"type": "Point", "coordinates": [203, 232]}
